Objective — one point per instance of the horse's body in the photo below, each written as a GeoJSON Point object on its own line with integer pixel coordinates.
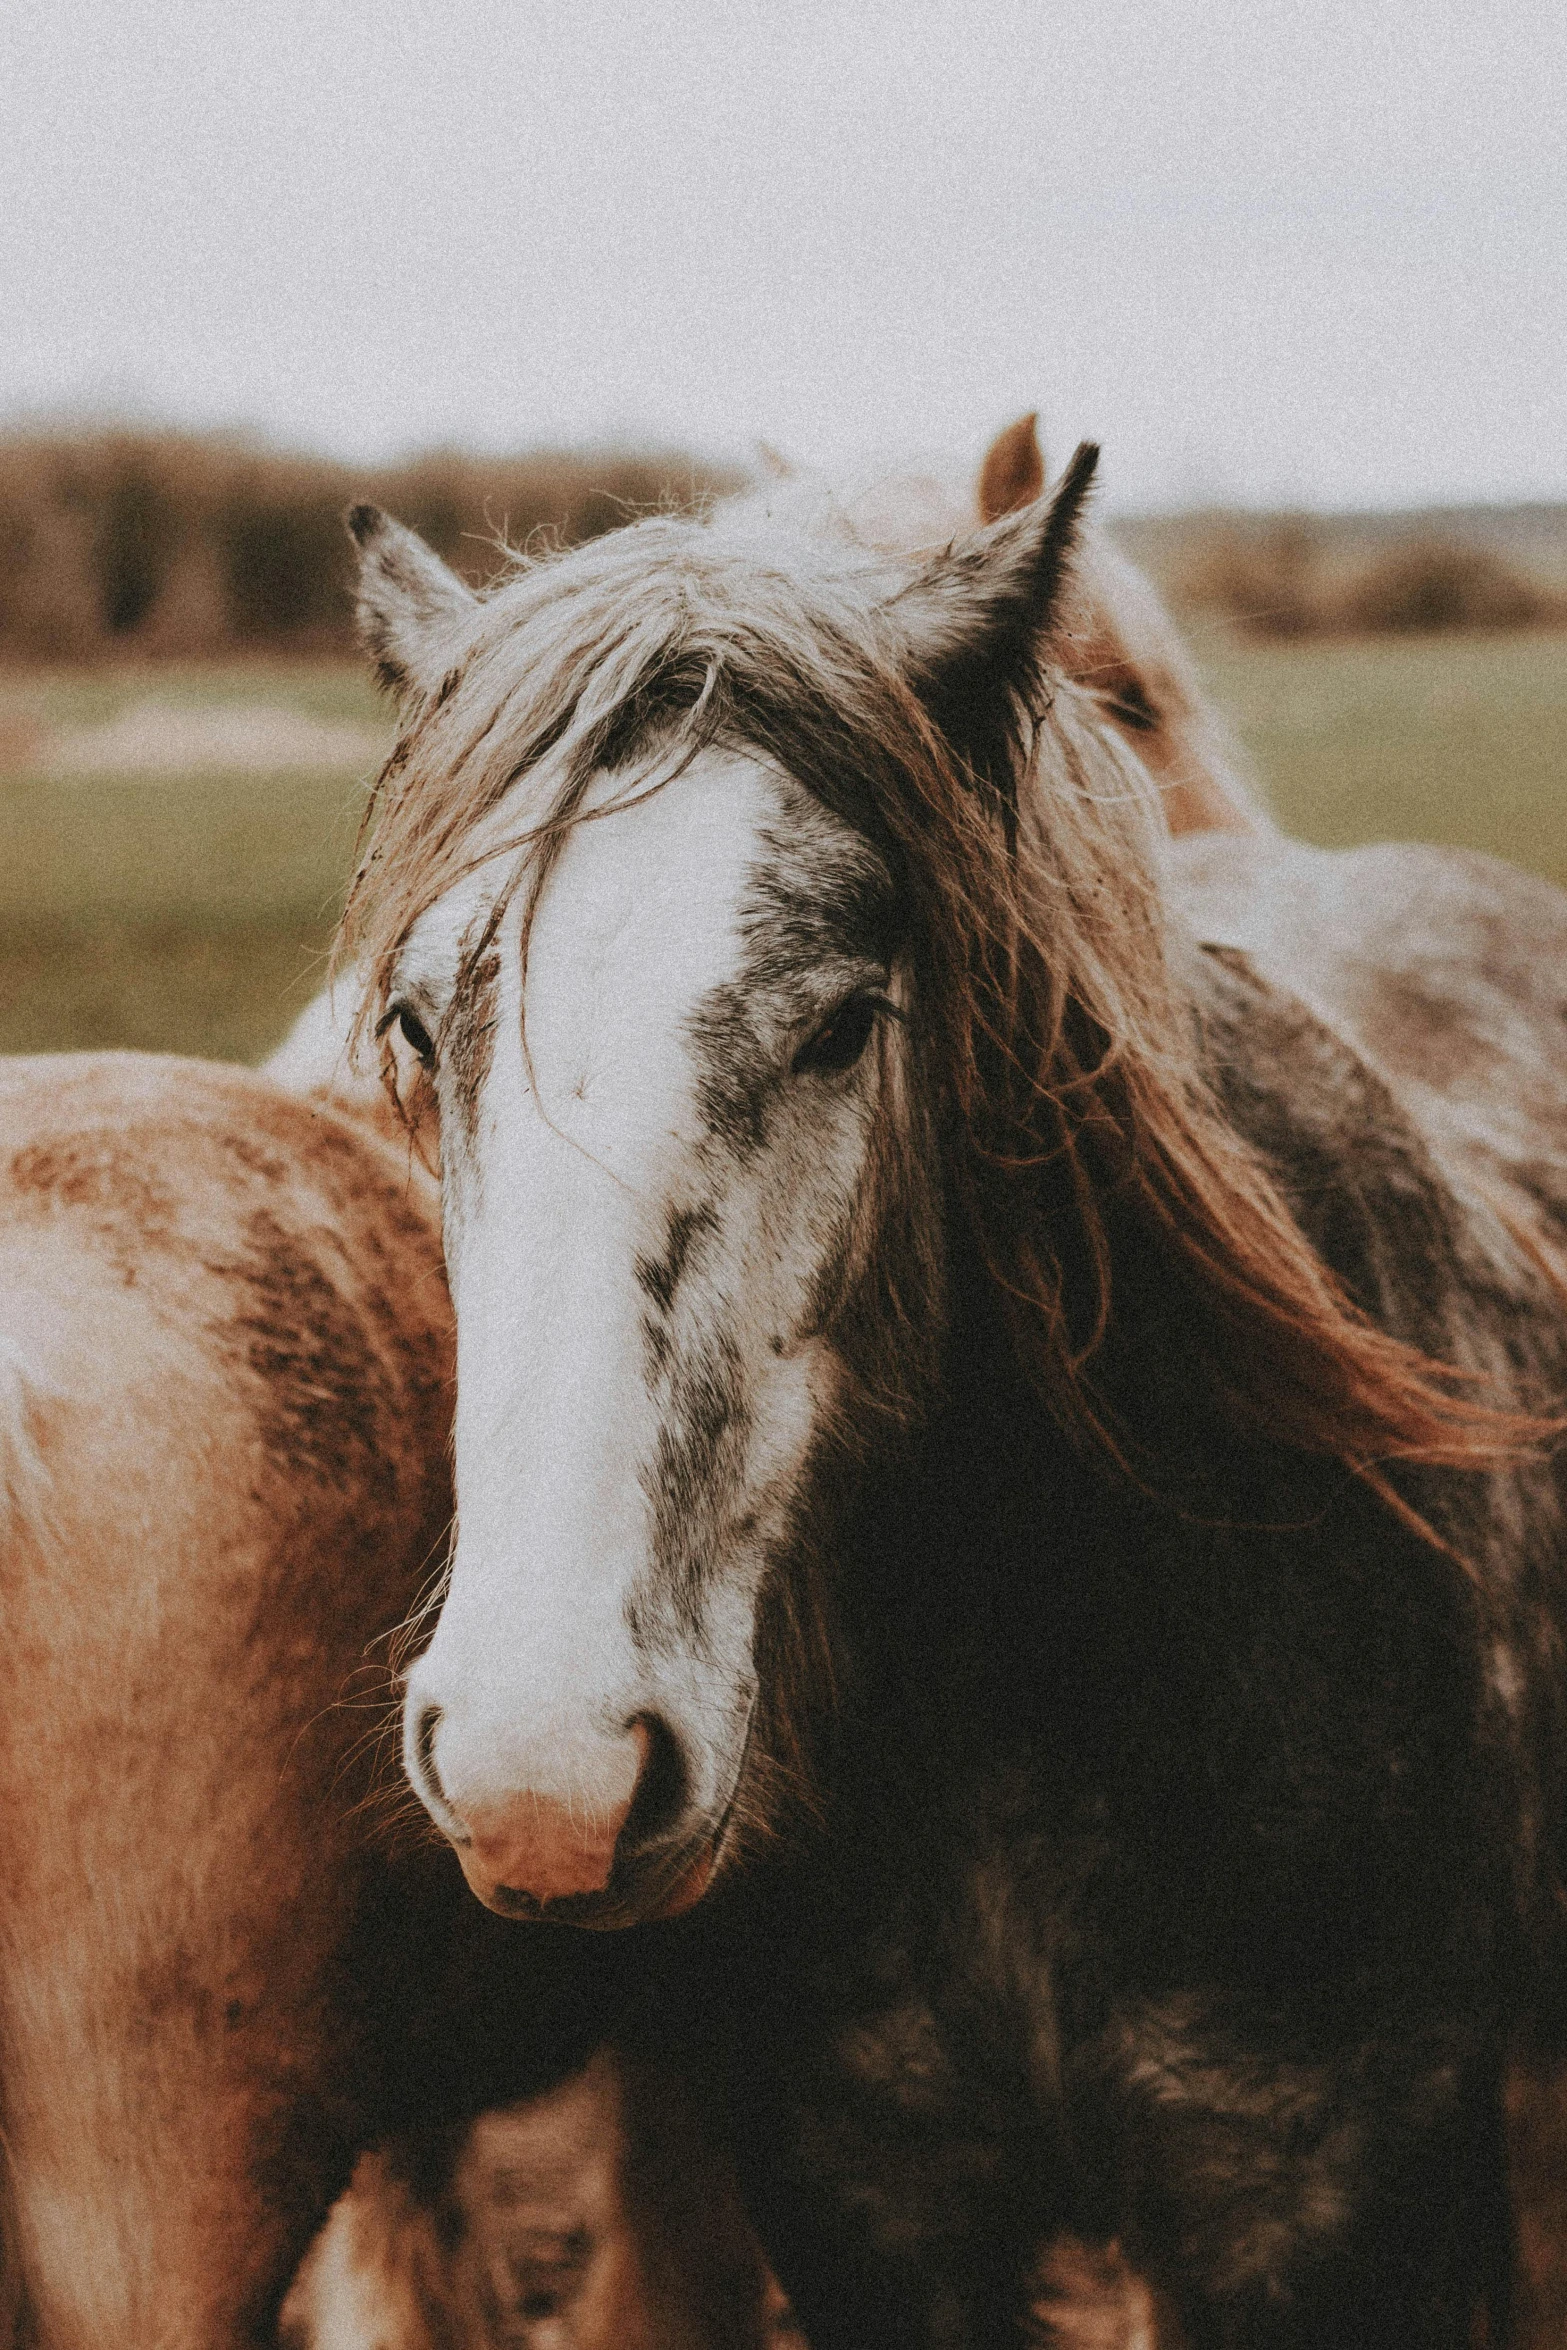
{"type": "Point", "coordinates": [225, 1966]}
{"type": "Point", "coordinates": [225, 1340]}
{"type": "Point", "coordinates": [1024, 1480]}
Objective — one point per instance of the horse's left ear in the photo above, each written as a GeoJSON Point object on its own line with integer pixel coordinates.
{"type": "Point", "coordinates": [976, 623]}
{"type": "Point", "coordinates": [773, 463]}
{"type": "Point", "coordinates": [1013, 473]}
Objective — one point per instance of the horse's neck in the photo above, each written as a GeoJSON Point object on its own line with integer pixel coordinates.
{"type": "Point", "coordinates": [984, 1539]}
{"type": "Point", "coordinates": [947, 1523]}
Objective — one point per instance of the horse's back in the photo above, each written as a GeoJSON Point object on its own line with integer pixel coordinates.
{"type": "Point", "coordinates": [1445, 969]}
{"type": "Point", "coordinates": [167, 1179]}
{"type": "Point", "coordinates": [224, 1346]}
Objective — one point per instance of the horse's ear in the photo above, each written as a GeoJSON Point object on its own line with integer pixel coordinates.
{"type": "Point", "coordinates": [976, 623]}
{"type": "Point", "coordinates": [409, 603]}
{"type": "Point", "coordinates": [1013, 473]}
{"type": "Point", "coordinates": [773, 463]}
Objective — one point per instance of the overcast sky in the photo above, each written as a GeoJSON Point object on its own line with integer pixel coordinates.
{"type": "Point", "coordinates": [1264, 249]}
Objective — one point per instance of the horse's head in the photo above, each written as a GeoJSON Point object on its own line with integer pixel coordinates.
{"type": "Point", "coordinates": [672, 911]}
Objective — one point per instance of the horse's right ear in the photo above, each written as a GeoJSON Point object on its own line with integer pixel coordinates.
{"type": "Point", "coordinates": [409, 603]}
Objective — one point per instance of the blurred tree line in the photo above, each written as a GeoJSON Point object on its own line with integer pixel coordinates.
{"type": "Point", "coordinates": [154, 543]}
{"type": "Point", "coordinates": [165, 544]}
{"type": "Point", "coordinates": [1316, 575]}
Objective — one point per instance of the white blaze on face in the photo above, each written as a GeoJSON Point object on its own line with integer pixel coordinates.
{"type": "Point", "coordinates": [639, 1371]}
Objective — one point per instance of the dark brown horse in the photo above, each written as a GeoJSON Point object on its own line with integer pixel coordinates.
{"type": "Point", "coordinates": [421, 2224]}
{"type": "Point", "coordinates": [1003, 1378]}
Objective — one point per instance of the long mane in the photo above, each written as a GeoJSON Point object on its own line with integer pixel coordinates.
{"type": "Point", "coordinates": [1055, 1021]}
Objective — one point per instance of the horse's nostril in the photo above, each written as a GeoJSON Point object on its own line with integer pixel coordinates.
{"type": "Point", "coordinates": [660, 1794]}
{"type": "Point", "coordinates": [425, 1772]}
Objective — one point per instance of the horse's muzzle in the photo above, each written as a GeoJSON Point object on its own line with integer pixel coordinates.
{"type": "Point", "coordinates": [636, 1895]}
{"type": "Point", "coordinates": [538, 1856]}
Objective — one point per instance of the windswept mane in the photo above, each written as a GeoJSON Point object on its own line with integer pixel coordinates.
{"type": "Point", "coordinates": [1054, 1017]}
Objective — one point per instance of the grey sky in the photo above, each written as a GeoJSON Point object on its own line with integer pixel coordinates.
{"type": "Point", "coordinates": [1312, 252]}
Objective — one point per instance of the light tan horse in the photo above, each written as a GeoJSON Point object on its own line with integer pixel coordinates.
{"type": "Point", "coordinates": [224, 1393]}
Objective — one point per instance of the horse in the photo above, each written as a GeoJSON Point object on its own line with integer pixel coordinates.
{"type": "Point", "coordinates": [222, 1472]}
{"type": "Point", "coordinates": [395, 2267]}
{"type": "Point", "coordinates": [357, 2283]}
{"type": "Point", "coordinates": [1007, 1365]}
{"type": "Point", "coordinates": [225, 1337]}
{"type": "Point", "coordinates": [226, 1966]}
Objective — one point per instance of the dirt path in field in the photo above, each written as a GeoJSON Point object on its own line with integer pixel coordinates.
{"type": "Point", "coordinates": [160, 738]}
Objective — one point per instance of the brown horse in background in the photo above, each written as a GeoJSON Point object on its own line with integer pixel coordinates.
{"type": "Point", "coordinates": [1124, 645]}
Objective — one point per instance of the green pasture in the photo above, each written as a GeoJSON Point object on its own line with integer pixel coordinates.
{"type": "Point", "coordinates": [1458, 739]}
{"type": "Point", "coordinates": [193, 912]}
{"type": "Point", "coordinates": [186, 912]}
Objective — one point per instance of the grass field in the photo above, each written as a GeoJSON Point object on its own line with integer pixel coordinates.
{"type": "Point", "coordinates": [188, 912]}
{"type": "Point", "coordinates": [1455, 739]}
{"type": "Point", "coordinates": [192, 912]}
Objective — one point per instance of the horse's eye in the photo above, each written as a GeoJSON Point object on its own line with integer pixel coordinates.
{"type": "Point", "coordinates": [415, 1035]}
{"type": "Point", "coordinates": [839, 1042]}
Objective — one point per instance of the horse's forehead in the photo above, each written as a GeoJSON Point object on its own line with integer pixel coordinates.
{"type": "Point", "coordinates": [648, 891]}
{"type": "Point", "coordinates": [643, 918]}
{"type": "Point", "coordinates": [689, 923]}
{"type": "Point", "coordinates": [652, 869]}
